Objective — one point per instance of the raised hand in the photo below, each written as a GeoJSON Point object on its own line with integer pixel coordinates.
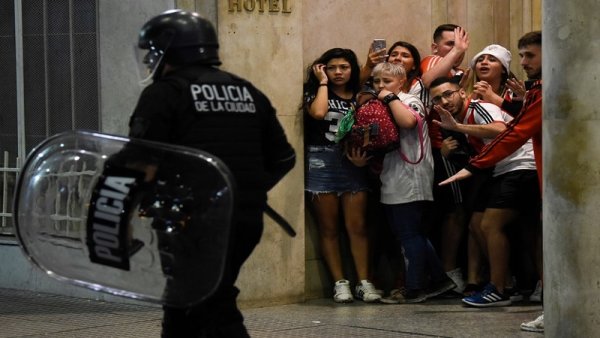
{"type": "Point", "coordinates": [319, 71]}
{"type": "Point", "coordinates": [518, 88]}
{"type": "Point", "coordinates": [461, 39]}
{"type": "Point", "coordinates": [484, 90]}
{"type": "Point", "coordinates": [447, 121]}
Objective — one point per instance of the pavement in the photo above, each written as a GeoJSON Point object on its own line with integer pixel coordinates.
{"type": "Point", "coordinates": [31, 314]}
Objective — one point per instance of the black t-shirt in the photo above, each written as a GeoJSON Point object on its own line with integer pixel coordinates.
{"type": "Point", "coordinates": [218, 112]}
{"type": "Point", "coordinates": [322, 132]}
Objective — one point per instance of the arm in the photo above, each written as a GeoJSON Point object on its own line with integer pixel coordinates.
{"type": "Point", "coordinates": [319, 107]}
{"type": "Point", "coordinates": [490, 130]}
{"type": "Point", "coordinates": [443, 67]}
{"type": "Point", "coordinates": [527, 124]}
{"type": "Point", "coordinates": [403, 117]}
{"type": "Point", "coordinates": [373, 58]}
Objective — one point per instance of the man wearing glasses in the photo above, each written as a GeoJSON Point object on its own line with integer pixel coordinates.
{"type": "Point", "coordinates": [448, 48]}
{"type": "Point", "coordinates": [510, 194]}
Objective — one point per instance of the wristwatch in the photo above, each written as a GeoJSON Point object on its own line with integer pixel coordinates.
{"type": "Point", "coordinates": [390, 97]}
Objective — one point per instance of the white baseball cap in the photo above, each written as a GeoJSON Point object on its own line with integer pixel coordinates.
{"type": "Point", "coordinates": [502, 54]}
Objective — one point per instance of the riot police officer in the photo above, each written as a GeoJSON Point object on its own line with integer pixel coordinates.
{"type": "Point", "coordinates": [191, 102]}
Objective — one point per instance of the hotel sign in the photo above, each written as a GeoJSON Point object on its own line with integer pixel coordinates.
{"type": "Point", "coordinates": [283, 6]}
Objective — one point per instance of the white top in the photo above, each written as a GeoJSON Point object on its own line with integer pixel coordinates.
{"type": "Point", "coordinates": [484, 113]}
{"type": "Point", "coordinates": [403, 182]}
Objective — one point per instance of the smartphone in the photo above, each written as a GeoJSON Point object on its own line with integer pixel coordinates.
{"type": "Point", "coordinates": [378, 44]}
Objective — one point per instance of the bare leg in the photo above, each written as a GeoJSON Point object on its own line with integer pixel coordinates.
{"type": "Point", "coordinates": [475, 252]}
{"type": "Point", "coordinates": [492, 224]}
{"type": "Point", "coordinates": [354, 207]}
{"type": "Point", "coordinates": [452, 232]}
{"type": "Point", "coordinates": [326, 208]}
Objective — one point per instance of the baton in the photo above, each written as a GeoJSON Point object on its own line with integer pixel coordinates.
{"type": "Point", "coordinates": [280, 220]}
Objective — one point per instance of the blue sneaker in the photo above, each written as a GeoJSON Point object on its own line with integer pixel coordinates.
{"type": "Point", "coordinates": [487, 298]}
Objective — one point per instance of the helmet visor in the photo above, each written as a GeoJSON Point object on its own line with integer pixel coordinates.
{"type": "Point", "coordinates": [148, 62]}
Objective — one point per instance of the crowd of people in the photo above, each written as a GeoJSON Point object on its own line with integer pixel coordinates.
{"type": "Point", "coordinates": [460, 196]}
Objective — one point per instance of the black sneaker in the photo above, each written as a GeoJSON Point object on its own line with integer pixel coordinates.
{"type": "Point", "coordinates": [440, 287]}
{"type": "Point", "coordinates": [404, 296]}
{"type": "Point", "coordinates": [414, 296]}
{"type": "Point", "coordinates": [514, 294]}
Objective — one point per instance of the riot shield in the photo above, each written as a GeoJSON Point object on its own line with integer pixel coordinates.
{"type": "Point", "coordinates": [134, 218]}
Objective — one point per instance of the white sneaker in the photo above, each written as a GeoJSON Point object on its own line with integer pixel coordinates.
{"type": "Point", "coordinates": [536, 325]}
{"type": "Point", "coordinates": [366, 291]}
{"type": "Point", "coordinates": [457, 277]}
{"type": "Point", "coordinates": [537, 295]}
{"type": "Point", "coordinates": [341, 292]}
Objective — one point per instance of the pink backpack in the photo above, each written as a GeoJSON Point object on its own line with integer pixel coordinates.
{"type": "Point", "coordinates": [376, 131]}
{"type": "Point", "coordinates": [374, 128]}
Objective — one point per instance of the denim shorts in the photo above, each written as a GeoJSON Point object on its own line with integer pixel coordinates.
{"type": "Point", "coordinates": [328, 170]}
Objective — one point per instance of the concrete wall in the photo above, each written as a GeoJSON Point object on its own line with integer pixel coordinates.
{"type": "Point", "coordinates": [119, 88]}
{"type": "Point", "coordinates": [265, 48]}
{"type": "Point", "coordinates": [571, 177]}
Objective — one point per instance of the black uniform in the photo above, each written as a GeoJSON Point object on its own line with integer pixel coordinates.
{"type": "Point", "coordinates": [203, 107]}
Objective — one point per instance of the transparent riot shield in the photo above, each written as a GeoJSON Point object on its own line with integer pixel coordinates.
{"type": "Point", "coordinates": [129, 217]}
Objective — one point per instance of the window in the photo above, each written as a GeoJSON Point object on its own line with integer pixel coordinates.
{"type": "Point", "coordinates": [58, 60]}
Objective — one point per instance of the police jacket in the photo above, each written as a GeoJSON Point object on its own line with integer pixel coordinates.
{"type": "Point", "coordinates": [220, 113]}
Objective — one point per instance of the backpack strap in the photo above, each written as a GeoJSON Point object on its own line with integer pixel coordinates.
{"type": "Point", "coordinates": [421, 139]}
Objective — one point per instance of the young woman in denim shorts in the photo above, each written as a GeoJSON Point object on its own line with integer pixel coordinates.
{"type": "Point", "coordinates": [337, 187]}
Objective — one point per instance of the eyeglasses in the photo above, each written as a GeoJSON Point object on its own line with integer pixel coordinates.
{"type": "Point", "coordinates": [446, 95]}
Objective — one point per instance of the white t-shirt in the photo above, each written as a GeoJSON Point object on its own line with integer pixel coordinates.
{"type": "Point", "coordinates": [403, 182]}
{"type": "Point", "coordinates": [483, 113]}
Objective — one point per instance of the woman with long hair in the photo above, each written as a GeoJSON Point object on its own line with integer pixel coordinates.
{"type": "Point", "coordinates": [337, 187]}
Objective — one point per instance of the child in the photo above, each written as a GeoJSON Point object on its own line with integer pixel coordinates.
{"type": "Point", "coordinates": [406, 188]}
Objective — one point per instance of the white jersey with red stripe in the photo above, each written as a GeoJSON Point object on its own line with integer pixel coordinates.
{"type": "Point", "coordinates": [479, 112]}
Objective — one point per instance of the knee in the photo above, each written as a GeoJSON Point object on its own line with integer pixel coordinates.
{"type": "Point", "coordinates": [357, 229]}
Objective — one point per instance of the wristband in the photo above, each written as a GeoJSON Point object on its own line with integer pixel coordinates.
{"type": "Point", "coordinates": [322, 84]}
{"type": "Point", "coordinates": [389, 98]}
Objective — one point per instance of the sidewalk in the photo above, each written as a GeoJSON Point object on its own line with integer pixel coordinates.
{"type": "Point", "coordinates": [29, 314]}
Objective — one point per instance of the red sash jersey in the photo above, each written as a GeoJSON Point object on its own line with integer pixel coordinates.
{"type": "Point", "coordinates": [527, 124]}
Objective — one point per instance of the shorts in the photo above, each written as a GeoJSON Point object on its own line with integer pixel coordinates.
{"type": "Point", "coordinates": [517, 190]}
{"type": "Point", "coordinates": [479, 191]}
{"type": "Point", "coordinates": [328, 170]}
{"type": "Point", "coordinates": [446, 197]}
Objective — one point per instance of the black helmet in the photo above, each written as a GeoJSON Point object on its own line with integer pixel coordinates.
{"type": "Point", "coordinates": [180, 38]}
